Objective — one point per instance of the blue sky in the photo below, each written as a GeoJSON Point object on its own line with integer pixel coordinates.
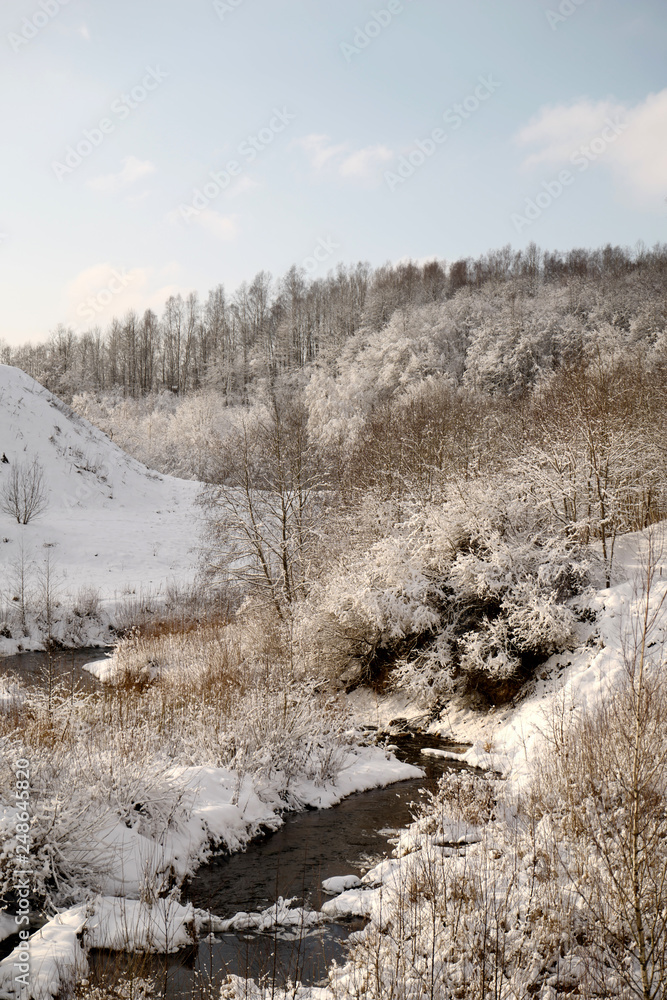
{"type": "Point", "coordinates": [305, 110]}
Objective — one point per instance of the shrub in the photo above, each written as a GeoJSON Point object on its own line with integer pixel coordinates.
{"type": "Point", "coordinates": [470, 586]}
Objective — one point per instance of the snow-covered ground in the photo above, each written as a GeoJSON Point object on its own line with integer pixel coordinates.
{"type": "Point", "coordinates": [110, 523]}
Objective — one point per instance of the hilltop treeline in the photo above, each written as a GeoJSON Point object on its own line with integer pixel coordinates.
{"type": "Point", "coordinates": [535, 302]}
{"type": "Point", "coordinates": [409, 464]}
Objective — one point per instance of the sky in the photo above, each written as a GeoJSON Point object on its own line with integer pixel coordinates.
{"type": "Point", "coordinates": [160, 146]}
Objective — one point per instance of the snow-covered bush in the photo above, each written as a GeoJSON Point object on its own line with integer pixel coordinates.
{"type": "Point", "coordinates": [82, 799]}
{"type": "Point", "coordinates": [428, 677]}
{"type": "Point", "coordinates": [471, 585]}
{"type": "Point", "coordinates": [522, 613]}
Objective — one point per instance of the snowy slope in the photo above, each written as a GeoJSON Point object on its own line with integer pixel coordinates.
{"type": "Point", "coordinates": [507, 738]}
{"type": "Point", "coordinates": [111, 523]}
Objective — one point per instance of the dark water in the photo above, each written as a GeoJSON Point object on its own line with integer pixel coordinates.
{"type": "Point", "coordinates": [66, 666]}
{"type": "Point", "coordinates": [309, 847]}
{"type": "Point", "coordinates": [317, 844]}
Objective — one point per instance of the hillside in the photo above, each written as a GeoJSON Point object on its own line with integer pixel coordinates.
{"type": "Point", "coordinates": [110, 526]}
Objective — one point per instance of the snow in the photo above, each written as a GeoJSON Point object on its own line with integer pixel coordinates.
{"type": "Point", "coordinates": [352, 903]}
{"type": "Point", "coordinates": [56, 958]}
{"type": "Point", "coordinates": [131, 925]}
{"type": "Point", "coordinates": [111, 524]}
{"type": "Point", "coordinates": [339, 883]}
{"type": "Point", "coordinates": [104, 670]}
{"type": "Point", "coordinates": [281, 916]}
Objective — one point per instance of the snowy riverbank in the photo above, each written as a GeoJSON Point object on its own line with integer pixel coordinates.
{"type": "Point", "coordinates": [226, 810]}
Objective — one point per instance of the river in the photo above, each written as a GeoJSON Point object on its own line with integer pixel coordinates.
{"type": "Point", "coordinates": [292, 862]}
{"type": "Point", "coordinates": [65, 666]}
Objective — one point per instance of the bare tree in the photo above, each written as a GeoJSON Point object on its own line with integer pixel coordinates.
{"type": "Point", "coordinates": [24, 494]}
{"type": "Point", "coordinates": [263, 516]}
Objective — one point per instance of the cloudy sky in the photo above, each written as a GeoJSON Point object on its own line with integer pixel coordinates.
{"type": "Point", "coordinates": [156, 146]}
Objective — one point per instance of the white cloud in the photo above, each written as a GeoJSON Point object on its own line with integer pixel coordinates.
{"type": "Point", "coordinates": [320, 150]}
{"type": "Point", "coordinates": [84, 32]}
{"type": "Point", "coordinates": [637, 154]}
{"type": "Point", "coordinates": [242, 186]}
{"type": "Point", "coordinates": [102, 291]}
{"type": "Point", "coordinates": [225, 227]}
{"type": "Point", "coordinates": [561, 129]}
{"type": "Point", "coordinates": [364, 162]}
{"type": "Point", "coordinates": [133, 170]}
{"type": "Point", "coordinates": [323, 154]}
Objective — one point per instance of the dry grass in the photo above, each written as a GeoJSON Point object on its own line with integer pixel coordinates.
{"type": "Point", "coordinates": [180, 611]}
{"type": "Point", "coordinates": [189, 699]}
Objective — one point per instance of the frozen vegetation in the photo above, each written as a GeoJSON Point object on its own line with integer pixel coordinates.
{"type": "Point", "coordinates": [429, 492]}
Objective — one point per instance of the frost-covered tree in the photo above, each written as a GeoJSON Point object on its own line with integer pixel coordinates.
{"type": "Point", "coordinates": [24, 494]}
{"type": "Point", "coordinates": [264, 511]}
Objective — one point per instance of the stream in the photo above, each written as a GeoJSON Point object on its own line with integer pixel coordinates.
{"type": "Point", "coordinates": [292, 862]}
{"type": "Point", "coordinates": [311, 846]}
{"type": "Point", "coordinates": [66, 666]}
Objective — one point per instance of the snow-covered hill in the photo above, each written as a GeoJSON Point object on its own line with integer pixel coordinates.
{"type": "Point", "coordinates": [110, 523]}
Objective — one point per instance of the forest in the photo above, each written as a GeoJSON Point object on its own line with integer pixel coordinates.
{"type": "Point", "coordinates": [409, 423]}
